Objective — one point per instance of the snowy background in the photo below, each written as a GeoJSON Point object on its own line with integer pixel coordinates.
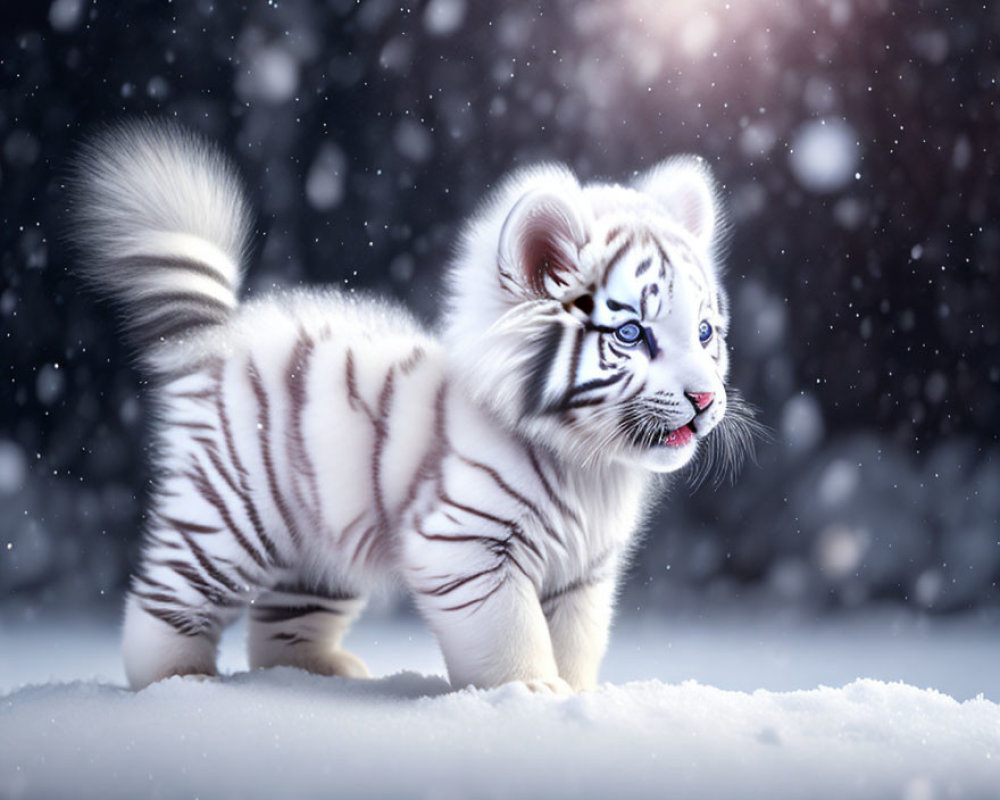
{"type": "Point", "coordinates": [857, 147]}
{"type": "Point", "coordinates": [856, 141]}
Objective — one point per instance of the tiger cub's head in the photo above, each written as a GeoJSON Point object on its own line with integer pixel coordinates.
{"type": "Point", "coordinates": [591, 318]}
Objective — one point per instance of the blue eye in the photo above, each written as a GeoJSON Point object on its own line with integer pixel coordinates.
{"type": "Point", "coordinates": [629, 333]}
{"type": "Point", "coordinates": [705, 332]}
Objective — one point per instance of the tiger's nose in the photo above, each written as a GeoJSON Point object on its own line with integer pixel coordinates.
{"type": "Point", "coordinates": [700, 400]}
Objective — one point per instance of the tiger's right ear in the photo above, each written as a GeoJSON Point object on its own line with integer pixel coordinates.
{"type": "Point", "coordinates": [539, 251]}
{"type": "Point", "coordinates": [684, 186]}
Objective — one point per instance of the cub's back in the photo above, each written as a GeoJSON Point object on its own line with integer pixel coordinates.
{"type": "Point", "coordinates": [328, 404]}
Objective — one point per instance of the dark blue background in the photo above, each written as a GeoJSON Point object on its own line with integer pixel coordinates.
{"type": "Point", "coordinates": [866, 323]}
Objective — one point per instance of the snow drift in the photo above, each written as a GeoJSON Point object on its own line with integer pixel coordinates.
{"type": "Point", "coordinates": [285, 733]}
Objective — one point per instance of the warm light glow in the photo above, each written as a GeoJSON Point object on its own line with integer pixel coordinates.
{"type": "Point", "coordinates": [705, 29]}
{"type": "Point", "coordinates": [691, 28]}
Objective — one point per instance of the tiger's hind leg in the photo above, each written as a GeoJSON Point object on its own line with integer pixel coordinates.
{"type": "Point", "coordinates": [296, 626]}
{"type": "Point", "coordinates": [175, 611]}
{"type": "Point", "coordinates": [159, 644]}
{"type": "Point", "coordinates": [201, 564]}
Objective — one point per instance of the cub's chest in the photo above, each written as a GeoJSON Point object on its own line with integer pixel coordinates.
{"type": "Point", "coordinates": [597, 523]}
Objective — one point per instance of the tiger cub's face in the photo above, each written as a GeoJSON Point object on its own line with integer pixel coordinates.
{"type": "Point", "coordinates": [651, 371]}
{"type": "Point", "coordinates": [627, 348]}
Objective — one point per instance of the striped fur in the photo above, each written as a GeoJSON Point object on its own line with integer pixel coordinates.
{"type": "Point", "coordinates": [163, 228]}
{"type": "Point", "coordinates": [315, 446]}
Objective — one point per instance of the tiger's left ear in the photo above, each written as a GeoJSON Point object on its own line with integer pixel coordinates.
{"type": "Point", "coordinates": [684, 186]}
{"type": "Point", "coordinates": [539, 249]}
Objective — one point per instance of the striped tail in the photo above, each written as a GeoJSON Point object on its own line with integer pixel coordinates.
{"type": "Point", "coordinates": [163, 226]}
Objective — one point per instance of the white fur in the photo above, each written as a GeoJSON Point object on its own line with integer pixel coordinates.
{"type": "Point", "coordinates": [140, 181]}
{"type": "Point", "coordinates": [315, 446]}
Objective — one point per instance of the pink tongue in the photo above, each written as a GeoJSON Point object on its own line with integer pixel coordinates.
{"type": "Point", "coordinates": [678, 438]}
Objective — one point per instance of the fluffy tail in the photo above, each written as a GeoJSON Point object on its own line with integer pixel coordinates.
{"type": "Point", "coordinates": [163, 227]}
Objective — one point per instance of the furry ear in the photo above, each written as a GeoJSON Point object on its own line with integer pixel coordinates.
{"type": "Point", "coordinates": [540, 243]}
{"type": "Point", "coordinates": [684, 186]}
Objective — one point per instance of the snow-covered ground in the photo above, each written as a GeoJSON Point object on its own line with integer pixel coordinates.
{"type": "Point", "coordinates": [735, 705]}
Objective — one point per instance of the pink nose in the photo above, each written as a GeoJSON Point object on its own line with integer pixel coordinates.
{"type": "Point", "coordinates": [701, 400]}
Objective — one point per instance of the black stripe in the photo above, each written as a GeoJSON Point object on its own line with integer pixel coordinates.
{"type": "Point", "coordinates": [156, 597]}
{"type": "Point", "coordinates": [603, 361]}
{"type": "Point", "coordinates": [183, 526]}
{"type": "Point", "coordinates": [196, 426]}
{"type": "Point", "coordinates": [205, 488]}
{"type": "Point", "coordinates": [514, 529]}
{"type": "Point", "coordinates": [574, 359]}
{"type": "Point", "coordinates": [167, 326]}
{"type": "Point", "coordinates": [509, 490]}
{"type": "Point", "coordinates": [142, 577]}
{"type": "Point", "coordinates": [175, 298]}
{"type": "Point", "coordinates": [182, 621]}
{"type": "Point", "coordinates": [381, 425]}
{"type": "Point", "coordinates": [274, 614]}
{"type": "Point", "coordinates": [207, 393]}
{"type": "Point", "coordinates": [406, 366]}
{"type": "Point", "coordinates": [477, 600]}
{"type": "Point", "coordinates": [430, 465]}
{"type": "Point", "coordinates": [457, 583]}
{"type": "Point", "coordinates": [147, 263]}
{"type": "Point", "coordinates": [649, 290]}
{"type": "Point", "coordinates": [458, 538]}
{"type": "Point", "coordinates": [550, 491]}
{"type": "Point", "coordinates": [299, 458]}
{"type": "Point", "coordinates": [614, 305]}
{"type": "Point", "coordinates": [350, 380]}
{"type": "Point", "coordinates": [295, 639]}
{"type": "Point", "coordinates": [364, 540]}
{"type": "Point", "coordinates": [264, 422]}
{"type": "Point", "coordinates": [208, 565]}
{"type": "Point", "coordinates": [167, 377]}
{"type": "Point", "coordinates": [652, 343]}
{"type": "Point", "coordinates": [314, 590]}
{"type": "Point", "coordinates": [571, 399]}
{"type": "Point", "coordinates": [613, 261]}
{"type": "Point", "coordinates": [664, 263]}
{"type": "Point", "coordinates": [241, 471]}
{"type": "Point", "coordinates": [290, 639]}
{"type": "Point", "coordinates": [585, 402]}
{"type": "Point", "coordinates": [596, 383]}
{"type": "Point", "coordinates": [193, 578]}
{"type": "Point", "coordinates": [539, 367]}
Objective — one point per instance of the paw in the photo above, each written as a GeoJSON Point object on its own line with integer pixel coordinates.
{"type": "Point", "coordinates": [345, 664]}
{"type": "Point", "coordinates": [554, 686]}
{"type": "Point", "coordinates": [197, 677]}
{"type": "Point", "coordinates": [336, 663]}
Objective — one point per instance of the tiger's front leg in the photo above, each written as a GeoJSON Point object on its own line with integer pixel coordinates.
{"type": "Point", "coordinates": [477, 594]}
{"type": "Point", "coordinates": [579, 618]}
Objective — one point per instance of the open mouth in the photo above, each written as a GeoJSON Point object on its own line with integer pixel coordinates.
{"type": "Point", "coordinates": [650, 430]}
{"type": "Point", "coordinates": [681, 436]}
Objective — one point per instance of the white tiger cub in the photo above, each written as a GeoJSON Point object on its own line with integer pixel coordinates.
{"type": "Point", "coordinates": [312, 445]}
